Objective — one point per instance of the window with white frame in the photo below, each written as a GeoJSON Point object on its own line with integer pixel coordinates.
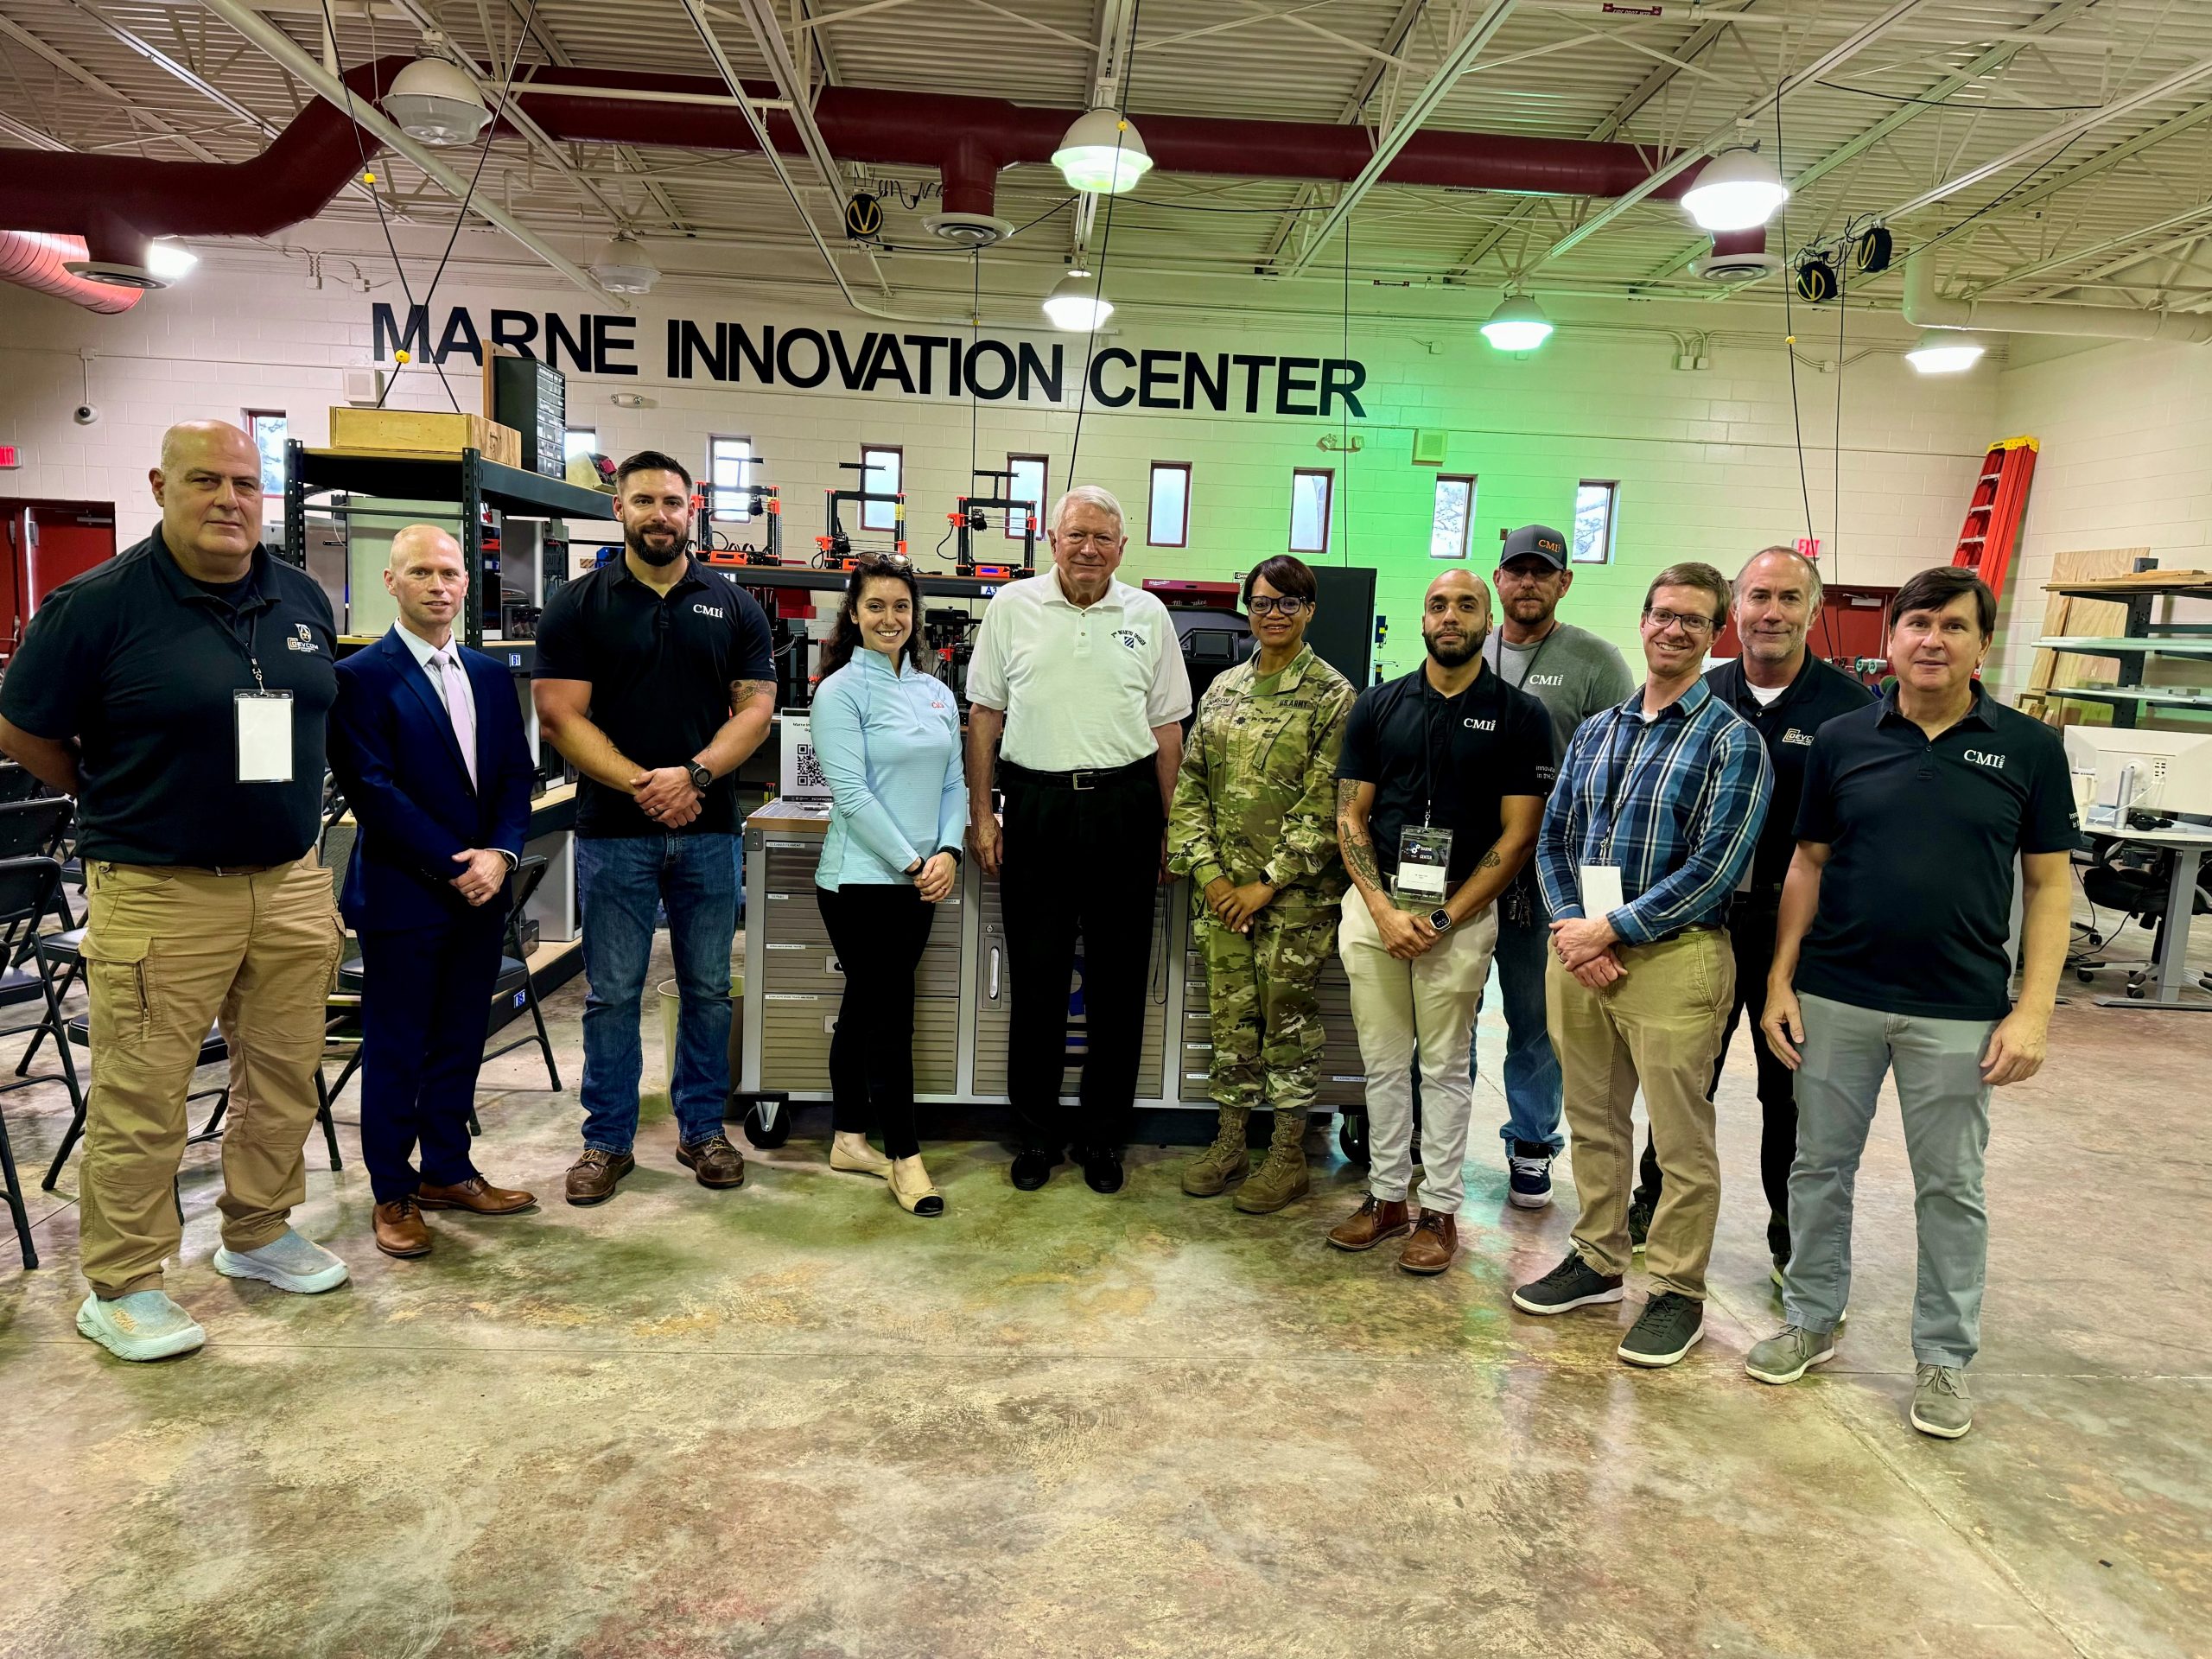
{"type": "Point", "coordinates": [729, 463]}
{"type": "Point", "coordinates": [1594, 501]}
{"type": "Point", "coordinates": [1028, 483]}
{"type": "Point", "coordinates": [1452, 517]}
{"type": "Point", "coordinates": [1310, 488]}
{"type": "Point", "coordinates": [1168, 523]}
{"type": "Point", "coordinates": [883, 470]}
{"type": "Point", "coordinates": [270, 428]}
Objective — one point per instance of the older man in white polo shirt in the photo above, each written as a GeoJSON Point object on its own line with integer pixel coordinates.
{"type": "Point", "coordinates": [1083, 679]}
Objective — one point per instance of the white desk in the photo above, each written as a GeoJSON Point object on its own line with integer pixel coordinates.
{"type": "Point", "coordinates": [2189, 847]}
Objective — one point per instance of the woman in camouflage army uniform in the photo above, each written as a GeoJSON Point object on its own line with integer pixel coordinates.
{"type": "Point", "coordinates": [1253, 825]}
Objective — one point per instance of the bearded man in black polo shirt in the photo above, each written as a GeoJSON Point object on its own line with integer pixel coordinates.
{"type": "Point", "coordinates": [178, 692]}
{"type": "Point", "coordinates": [1787, 694]}
{"type": "Point", "coordinates": [1900, 894]}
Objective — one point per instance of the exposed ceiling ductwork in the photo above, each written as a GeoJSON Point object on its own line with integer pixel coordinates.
{"type": "Point", "coordinates": [1925, 308]}
{"type": "Point", "coordinates": [38, 260]}
{"type": "Point", "coordinates": [968, 140]}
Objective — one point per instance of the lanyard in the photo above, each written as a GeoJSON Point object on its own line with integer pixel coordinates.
{"type": "Point", "coordinates": [1618, 777]}
{"type": "Point", "coordinates": [1529, 671]}
{"type": "Point", "coordinates": [248, 647]}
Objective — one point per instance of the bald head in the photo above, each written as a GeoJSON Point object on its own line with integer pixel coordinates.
{"type": "Point", "coordinates": [209, 488]}
{"type": "Point", "coordinates": [429, 578]}
{"type": "Point", "coordinates": [1455, 617]}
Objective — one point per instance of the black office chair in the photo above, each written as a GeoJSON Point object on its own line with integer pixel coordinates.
{"type": "Point", "coordinates": [2132, 879]}
{"type": "Point", "coordinates": [26, 890]}
{"type": "Point", "coordinates": [513, 981]}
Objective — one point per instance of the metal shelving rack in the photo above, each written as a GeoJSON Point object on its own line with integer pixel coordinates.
{"type": "Point", "coordinates": [2144, 639]}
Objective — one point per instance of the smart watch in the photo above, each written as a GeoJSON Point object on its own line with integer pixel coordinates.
{"type": "Point", "coordinates": [702, 779]}
{"type": "Point", "coordinates": [1440, 919]}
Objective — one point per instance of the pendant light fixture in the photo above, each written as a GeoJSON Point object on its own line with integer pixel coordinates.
{"type": "Point", "coordinates": [623, 267]}
{"type": "Point", "coordinates": [1102, 154]}
{"type": "Point", "coordinates": [1945, 351]}
{"type": "Point", "coordinates": [1076, 304]}
{"type": "Point", "coordinates": [1518, 325]}
{"type": "Point", "coordinates": [1737, 190]}
{"type": "Point", "coordinates": [433, 103]}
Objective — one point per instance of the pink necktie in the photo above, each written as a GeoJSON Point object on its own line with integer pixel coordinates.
{"type": "Point", "coordinates": [458, 709]}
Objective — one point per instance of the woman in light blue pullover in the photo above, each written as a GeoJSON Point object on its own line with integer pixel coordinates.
{"type": "Point", "coordinates": [886, 733]}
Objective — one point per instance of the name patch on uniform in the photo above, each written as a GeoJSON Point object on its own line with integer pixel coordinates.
{"type": "Point", "coordinates": [1793, 735]}
{"type": "Point", "coordinates": [1983, 758]}
{"type": "Point", "coordinates": [1131, 638]}
{"type": "Point", "coordinates": [707, 610]}
{"type": "Point", "coordinates": [303, 640]}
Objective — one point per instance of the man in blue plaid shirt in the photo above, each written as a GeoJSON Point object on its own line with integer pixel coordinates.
{"type": "Point", "coordinates": [1652, 827]}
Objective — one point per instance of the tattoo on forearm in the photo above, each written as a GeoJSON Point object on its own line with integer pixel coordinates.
{"type": "Point", "coordinates": [743, 692]}
{"type": "Point", "coordinates": [1352, 839]}
{"type": "Point", "coordinates": [1491, 860]}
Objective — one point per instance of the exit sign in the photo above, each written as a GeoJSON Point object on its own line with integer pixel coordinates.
{"type": "Point", "coordinates": [1810, 546]}
{"type": "Point", "coordinates": [10, 456]}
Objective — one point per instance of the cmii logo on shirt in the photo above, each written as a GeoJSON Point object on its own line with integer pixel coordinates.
{"type": "Point", "coordinates": [1474, 725]}
{"type": "Point", "coordinates": [302, 641]}
{"type": "Point", "coordinates": [1546, 679]}
{"type": "Point", "coordinates": [1983, 758]}
{"type": "Point", "coordinates": [1793, 735]}
{"type": "Point", "coordinates": [707, 610]}
{"type": "Point", "coordinates": [1131, 638]}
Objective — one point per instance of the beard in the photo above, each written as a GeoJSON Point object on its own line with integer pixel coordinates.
{"type": "Point", "coordinates": [657, 558]}
{"type": "Point", "coordinates": [1455, 656]}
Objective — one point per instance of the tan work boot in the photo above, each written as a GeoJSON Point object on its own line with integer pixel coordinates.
{"type": "Point", "coordinates": [1283, 1176]}
{"type": "Point", "coordinates": [1208, 1174]}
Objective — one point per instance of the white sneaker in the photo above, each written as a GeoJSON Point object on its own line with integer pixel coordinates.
{"type": "Point", "coordinates": [145, 1325]}
{"type": "Point", "coordinates": [289, 1262]}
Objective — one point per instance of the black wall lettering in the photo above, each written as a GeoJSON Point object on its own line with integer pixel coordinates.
{"type": "Point", "coordinates": [604, 341]}
{"type": "Point", "coordinates": [741, 347]}
{"type": "Point", "coordinates": [791, 337]}
{"type": "Point", "coordinates": [414, 340]}
{"type": "Point", "coordinates": [1252, 366]}
{"type": "Point", "coordinates": [1288, 380]}
{"type": "Point", "coordinates": [990, 393]}
{"type": "Point", "coordinates": [1098, 392]}
{"type": "Point", "coordinates": [1035, 375]}
{"type": "Point", "coordinates": [1343, 376]}
{"type": "Point", "coordinates": [1195, 377]}
{"type": "Point", "coordinates": [515, 329]}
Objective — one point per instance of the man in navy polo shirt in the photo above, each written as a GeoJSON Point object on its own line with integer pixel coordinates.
{"type": "Point", "coordinates": [1889, 956]}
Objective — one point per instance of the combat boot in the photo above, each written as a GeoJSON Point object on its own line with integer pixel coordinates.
{"type": "Point", "coordinates": [1208, 1175]}
{"type": "Point", "coordinates": [1283, 1176]}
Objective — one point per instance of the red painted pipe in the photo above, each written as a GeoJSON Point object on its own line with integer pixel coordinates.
{"type": "Point", "coordinates": [969, 139]}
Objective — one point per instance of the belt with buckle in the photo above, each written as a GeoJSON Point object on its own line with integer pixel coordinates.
{"type": "Point", "coordinates": [1093, 779]}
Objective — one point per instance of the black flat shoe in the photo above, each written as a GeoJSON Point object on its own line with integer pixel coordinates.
{"type": "Point", "coordinates": [1033, 1167]}
{"type": "Point", "coordinates": [1102, 1168]}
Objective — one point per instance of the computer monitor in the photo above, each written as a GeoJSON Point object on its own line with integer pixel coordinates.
{"type": "Point", "coordinates": [2169, 774]}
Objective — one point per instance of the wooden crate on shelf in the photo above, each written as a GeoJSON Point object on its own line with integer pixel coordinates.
{"type": "Point", "coordinates": [418, 433]}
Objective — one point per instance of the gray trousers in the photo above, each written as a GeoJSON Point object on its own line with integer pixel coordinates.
{"type": "Point", "coordinates": [1945, 1108]}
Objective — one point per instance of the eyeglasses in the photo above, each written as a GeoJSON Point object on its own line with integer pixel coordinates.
{"type": "Point", "coordinates": [1088, 537]}
{"type": "Point", "coordinates": [1664, 620]}
{"type": "Point", "coordinates": [1288, 607]}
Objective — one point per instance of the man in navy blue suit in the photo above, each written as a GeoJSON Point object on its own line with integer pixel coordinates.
{"type": "Point", "coordinates": [427, 741]}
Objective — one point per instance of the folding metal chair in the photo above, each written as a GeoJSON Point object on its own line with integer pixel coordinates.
{"type": "Point", "coordinates": [26, 889]}
{"type": "Point", "coordinates": [38, 829]}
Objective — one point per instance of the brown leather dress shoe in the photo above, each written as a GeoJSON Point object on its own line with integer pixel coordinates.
{"type": "Point", "coordinates": [400, 1231]}
{"type": "Point", "coordinates": [1369, 1224]}
{"type": "Point", "coordinates": [715, 1161]}
{"type": "Point", "coordinates": [1435, 1242]}
{"type": "Point", "coordinates": [476, 1195]}
{"type": "Point", "coordinates": [592, 1178]}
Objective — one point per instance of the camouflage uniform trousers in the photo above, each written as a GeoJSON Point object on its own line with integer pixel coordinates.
{"type": "Point", "coordinates": [1261, 989]}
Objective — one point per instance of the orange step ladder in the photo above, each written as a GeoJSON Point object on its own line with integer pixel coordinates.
{"type": "Point", "coordinates": [2001, 501]}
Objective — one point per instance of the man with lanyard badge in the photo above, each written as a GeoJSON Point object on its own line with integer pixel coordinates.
{"type": "Point", "coordinates": [1574, 674]}
{"type": "Point", "coordinates": [1439, 789]}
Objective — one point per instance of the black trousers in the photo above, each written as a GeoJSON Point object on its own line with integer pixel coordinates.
{"type": "Point", "coordinates": [878, 933]}
{"type": "Point", "coordinates": [426, 1002]}
{"type": "Point", "coordinates": [1751, 922]}
{"type": "Point", "coordinates": [1079, 865]}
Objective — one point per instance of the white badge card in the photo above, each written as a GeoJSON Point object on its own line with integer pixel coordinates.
{"type": "Point", "coordinates": [264, 737]}
{"type": "Point", "coordinates": [1424, 862]}
{"type": "Point", "coordinates": [1601, 890]}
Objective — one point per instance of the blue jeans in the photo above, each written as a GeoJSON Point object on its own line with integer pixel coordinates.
{"type": "Point", "coordinates": [1531, 1070]}
{"type": "Point", "coordinates": [620, 880]}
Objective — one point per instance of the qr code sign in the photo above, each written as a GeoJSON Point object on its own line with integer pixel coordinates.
{"type": "Point", "coordinates": [810, 771]}
{"type": "Point", "coordinates": [803, 778]}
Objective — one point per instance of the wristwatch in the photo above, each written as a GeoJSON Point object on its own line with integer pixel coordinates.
{"type": "Point", "coordinates": [702, 779]}
{"type": "Point", "coordinates": [1440, 919]}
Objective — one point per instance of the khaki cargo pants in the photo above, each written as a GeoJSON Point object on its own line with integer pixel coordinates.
{"type": "Point", "coordinates": [167, 952]}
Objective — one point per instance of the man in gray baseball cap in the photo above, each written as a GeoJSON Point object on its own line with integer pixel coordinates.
{"type": "Point", "coordinates": [1574, 674]}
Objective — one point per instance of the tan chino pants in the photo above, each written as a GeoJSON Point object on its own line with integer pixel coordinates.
{"type": "Point", "coordinates": [1659, 1026]}
{"type": "Point", "coordinates": [168, 953]}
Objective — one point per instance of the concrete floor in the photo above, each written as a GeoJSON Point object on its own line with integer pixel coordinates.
{"type": "Point", "coordinates": [791, 1421]}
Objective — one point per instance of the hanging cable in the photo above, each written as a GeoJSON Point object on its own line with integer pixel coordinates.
{"type": "Point", "coordinates": [1344, 439]}
{"type": "Point", "coordinates": [1105, 243]}
{"type": "Point", "coordinates": [1789, 332]}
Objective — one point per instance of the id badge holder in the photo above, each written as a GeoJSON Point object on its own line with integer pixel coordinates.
{"type": "Point", "coordinates": [264, 723]}
{"type": "Point", "coordinates": [1601, 890]}
{"type": "Point", "coordinates": [1424, 861]}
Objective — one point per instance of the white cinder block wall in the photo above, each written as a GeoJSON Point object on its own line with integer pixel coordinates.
{"type": "Point", "coordinates": [1707, 461]}
{"type": "Point", "coordinates": [2126, 461]}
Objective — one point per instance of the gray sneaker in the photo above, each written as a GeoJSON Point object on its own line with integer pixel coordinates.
{"type": "Point", "coordinates": [1790, 1353]}
{"type": "Point", "coordinates": [289, 1262]}
{"type": "Point", "coordinates": [1941, 1404]}
{"type": "Point", "coordinates": [145, 1325]}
